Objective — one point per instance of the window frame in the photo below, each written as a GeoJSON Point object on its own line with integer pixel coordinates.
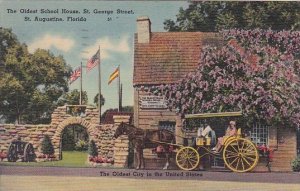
{"type": "Point", "coordinates": [259, 134]}
{"type": "Point", "coordinates": [171, 124]}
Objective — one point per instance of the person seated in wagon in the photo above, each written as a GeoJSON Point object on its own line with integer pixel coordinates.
{"type": "Point", "coordinates": [207, 132]}
{"type": "Point", "coordinates": [230, 131]}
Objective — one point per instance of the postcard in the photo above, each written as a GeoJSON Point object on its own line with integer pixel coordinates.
{"type": "Point", "coordinates": [149, 95]}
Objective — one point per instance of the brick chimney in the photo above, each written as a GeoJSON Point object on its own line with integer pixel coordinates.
{"type": "Point", "coordinates": [143, 29]}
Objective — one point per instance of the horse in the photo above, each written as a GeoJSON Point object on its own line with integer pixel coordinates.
{"type": "Point", "coordinates": [141, 138]}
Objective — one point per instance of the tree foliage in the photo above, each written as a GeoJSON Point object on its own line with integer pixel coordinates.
{"type": "Point", "coordinates": [128, 109]}
{"type": "Point", "coordinates": [72, 98]}
{"type": "Point", "coordinates": [72, 135]}
{"type": "Point", "coordinates": [102, 100]}
{"type": "Point", "coordinates": [92, 150]}
{"type": "Point", "coordinates": [30, 84]}
{"type": "Point", "coordinates": [213, 16]}
{"type": "Point", "coordinates": [257, 72]}
{"type": "Point", "coordinates": [47, 146]}
{"type": "Point", "coordinates": [7, 39]}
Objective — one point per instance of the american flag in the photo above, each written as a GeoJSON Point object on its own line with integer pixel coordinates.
{"type": "Point", "coordinates": [94, 61]}
{"type": "Point", "coordinates": [75, 75]}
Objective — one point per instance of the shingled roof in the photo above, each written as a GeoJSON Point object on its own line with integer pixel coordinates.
{"type": "Point", "coordinates": [169, 56]}
{"type": "Point", "coordinates": [109, 116]}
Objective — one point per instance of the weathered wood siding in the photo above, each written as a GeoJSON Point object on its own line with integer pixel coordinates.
{"type": "Point", "coordinates": [283, 140]}
{"type": "Point", "coordinates": [286, 150]}
{"type": "Point", "coordinates": [150, 118]}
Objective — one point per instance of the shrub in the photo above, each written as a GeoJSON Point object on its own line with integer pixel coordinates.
{"type": "Point", "coordinates": [47, 147]}
{"type": "Point", "coordinates": [93, 151]}
{"type": "Point", "coordinates": [81, 145]}
{"type": "Point", "coordinates": [296, 164]}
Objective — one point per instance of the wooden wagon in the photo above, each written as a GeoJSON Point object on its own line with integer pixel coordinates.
{"type": "Point", "coordinates": [239, 153]}
{"type": "Point", "coordinates": [20, 150]}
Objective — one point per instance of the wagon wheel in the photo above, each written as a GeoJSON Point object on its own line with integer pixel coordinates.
{"type": "Point", "coordinates": [29, 154]}
{"type": "Point", "coordinates": [12, 155]}
{"type": "Point", "coordinates": [240, 155]}
{"type": "Point", "coordinates": [187, 158]}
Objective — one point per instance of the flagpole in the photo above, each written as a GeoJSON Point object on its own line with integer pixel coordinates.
{"type": "Point", "coordinates": [121, 96]}
{"type": "Point", "coordinates": [119, 88]}
{"type": "Point", "coordinates": [99, 78]}
{"type": "Point", "coordinates": [80, 94]}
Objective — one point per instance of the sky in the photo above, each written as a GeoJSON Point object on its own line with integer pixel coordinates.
{"type": "Point", "coordinates": [77, 41]}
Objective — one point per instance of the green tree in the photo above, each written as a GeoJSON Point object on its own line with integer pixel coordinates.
{"type": "Point", "coordinates": [72, 135]}
{"type": "Point", "coordinates": [47, 146]}
{"type": "Point", "coordinates": [7, 39]}
{"type": "Point", "coordinates": [72, 98]}
{"type": "Point", "coordinates": [68, 139]}
{"type": "Point", "coordinates": [30, 84]}
{"type": "Point", "coordinates": [127, 109]}
{"type": "Point", "coordinates": [92, 150]}
{"type": "Point", "coordinates": [96, 100]}
{"type": "Point", "coordinates": [213, 16]}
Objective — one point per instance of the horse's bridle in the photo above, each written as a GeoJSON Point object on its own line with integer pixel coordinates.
{"type": "Point", "coordinates": [130, 133]}
{"type": "Point", "coordinates": [123, 132]}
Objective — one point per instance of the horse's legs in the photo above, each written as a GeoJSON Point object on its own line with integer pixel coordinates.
{"type": "Point", "coordinates": [167, 158]}
{"type": "Point", "coordinates": [137, 155]}
{"type": "Point", "coordinates": [142, 159]}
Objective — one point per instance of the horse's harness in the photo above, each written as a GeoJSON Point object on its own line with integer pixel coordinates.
{"type": "Point", "coordinates": [133, 132]}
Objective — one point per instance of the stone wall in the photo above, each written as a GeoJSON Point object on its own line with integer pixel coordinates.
{"type": "Point", "coordinates": [29, 133]}
{"type": "Point", "coordinates": [121, 152]}
{"type": "Point", "coordinates": [60, 114]}
{"type": "Point", "coordinates": [101, 134]}
{"type": "Point", "coordinates": [108, 147]}
{"type": "Point", "coordinates": [121, 145]}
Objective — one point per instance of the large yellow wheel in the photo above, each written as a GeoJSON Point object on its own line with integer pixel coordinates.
{"type": "Point", "coordinates": [240, 155]}
{"type": "Point", "coordinates": [187, 158]}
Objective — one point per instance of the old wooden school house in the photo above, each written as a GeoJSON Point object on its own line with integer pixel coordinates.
{"type": "Point", "coordinates": [166, 57]}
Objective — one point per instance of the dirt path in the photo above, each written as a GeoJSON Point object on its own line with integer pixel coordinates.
{"type": "Point", "coordinates": [61, 183]}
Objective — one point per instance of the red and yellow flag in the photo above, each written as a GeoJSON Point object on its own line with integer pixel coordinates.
{"type": "Point", "coordinates": [114, 75]}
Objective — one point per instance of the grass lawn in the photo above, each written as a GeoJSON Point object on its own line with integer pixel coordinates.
{"type": "Point", "coordinates": [70, 159]}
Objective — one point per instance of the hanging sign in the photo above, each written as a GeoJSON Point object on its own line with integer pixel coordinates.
{"type": "Point", "coordinates": [152, 102]}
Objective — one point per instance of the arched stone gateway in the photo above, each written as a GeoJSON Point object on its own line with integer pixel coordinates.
{"type": "Point", "coordinates": [93, 131]}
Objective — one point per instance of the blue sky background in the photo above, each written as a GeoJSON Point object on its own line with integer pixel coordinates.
{"type": "Point", "coordinates": [78, 41]}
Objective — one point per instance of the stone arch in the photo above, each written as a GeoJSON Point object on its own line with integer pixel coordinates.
{"type": "Point", "coordinates": [90, 128]}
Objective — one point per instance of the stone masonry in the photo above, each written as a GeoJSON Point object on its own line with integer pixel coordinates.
{"type": "Point", "coordinates": [121, 146]}
{"type": "Point", "coordinates": [101, 134]}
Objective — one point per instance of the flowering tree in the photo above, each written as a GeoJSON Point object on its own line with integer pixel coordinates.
{"type": "Point", "coordinates": [256, 71]}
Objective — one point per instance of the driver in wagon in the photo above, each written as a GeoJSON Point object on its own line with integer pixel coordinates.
{"type": "Point", "coordinates": [206, 131]}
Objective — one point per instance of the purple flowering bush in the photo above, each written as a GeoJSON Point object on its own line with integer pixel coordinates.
{"type": "Point", "coordinates": [256, 71]}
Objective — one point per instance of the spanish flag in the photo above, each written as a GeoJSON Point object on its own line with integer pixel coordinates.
{"type": "Point", "coordinates": [114, 75]}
